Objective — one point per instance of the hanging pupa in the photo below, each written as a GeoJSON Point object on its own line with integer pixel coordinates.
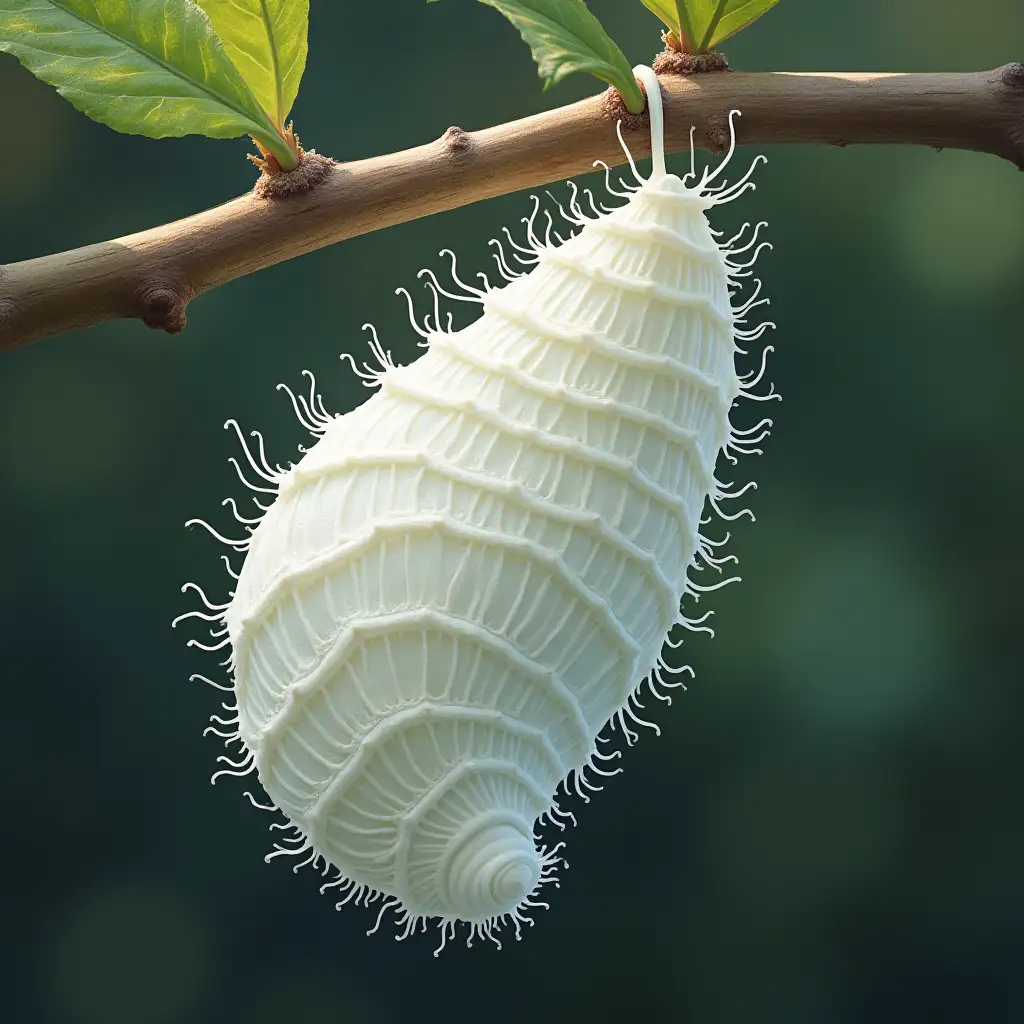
{"type": "Point", "coordinates": [466, 578]}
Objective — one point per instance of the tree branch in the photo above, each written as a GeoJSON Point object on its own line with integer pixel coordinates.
{"type": "Point", "coordinates": [152, 275]}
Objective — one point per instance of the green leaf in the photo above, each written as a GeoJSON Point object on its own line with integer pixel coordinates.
{"type": "Point", "coordinates": [703, 24]}
{"type": "Point", "coordinates": [144, 67]}
{"type": "Point", "coordinates": [267, 41]}
{"type": "Point", "coordinates": [676, 16]}
{"type": "Point", "coordinates": [738, 15]}
{"type": "Point", "coordinates": [701, 13]}
{"type": "Point", "coordinates": [564, 37]}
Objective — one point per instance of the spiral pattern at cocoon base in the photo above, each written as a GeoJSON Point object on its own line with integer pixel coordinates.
{"type": "Point", "coordinates": [467, 577]}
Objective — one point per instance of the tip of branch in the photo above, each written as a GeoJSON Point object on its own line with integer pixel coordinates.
{"type": "Point", "coordinates": [1011, 78]}
{"type": "Point", "coordinates": [1013, 75]}
{"type": "Point", "coordinates": [311, 171]}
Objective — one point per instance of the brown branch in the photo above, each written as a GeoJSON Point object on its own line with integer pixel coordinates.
{"type": "Point", "coordinates": [154, 274]}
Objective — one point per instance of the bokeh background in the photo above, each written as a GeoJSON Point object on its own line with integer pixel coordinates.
{"type": "Point", "coordinates": [829, 830]}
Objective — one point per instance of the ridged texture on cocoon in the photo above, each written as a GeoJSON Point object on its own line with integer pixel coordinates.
{"type": "Point", "coordinates": [466, 578]}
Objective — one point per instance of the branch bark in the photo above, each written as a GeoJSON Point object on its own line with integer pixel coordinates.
{"type": "Point", "coordinates": [152, 275]}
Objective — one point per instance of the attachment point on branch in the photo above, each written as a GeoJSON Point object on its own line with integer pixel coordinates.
{"type": "Point", "coordinates": [614, 107]}
{"type": "Point", "coordinates": [312, 170]}
{"type": "Point", "coordinates": [673, 62]}
{"type": "Point", "coordinates": [164, 305]}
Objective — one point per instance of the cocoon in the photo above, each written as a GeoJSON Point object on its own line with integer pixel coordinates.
{"type": "Point", "coordinates": [466, 578]}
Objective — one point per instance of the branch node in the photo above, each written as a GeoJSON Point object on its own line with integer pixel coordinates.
{"type": "Point", "coordinates": [164, 304]}
{"type": "Point", "coordinates": [312, 170]}
{"type": "Point", "coordinates": [716, 134]}
{"type": "Point", "coordinates": [613, 106]}
{"type": "Point", "coordinates": [455, 141]}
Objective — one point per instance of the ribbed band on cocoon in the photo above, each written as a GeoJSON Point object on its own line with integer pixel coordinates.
{"type": "Point", "coordinates": [466, 577]}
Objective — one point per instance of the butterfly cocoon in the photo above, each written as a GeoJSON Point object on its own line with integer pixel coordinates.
{"type": "Point", "coordinates": [469, 576]}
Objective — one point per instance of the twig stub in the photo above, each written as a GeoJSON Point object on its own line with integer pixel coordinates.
{"type": "Point", "coordinates": [716, 133]}
{"type": "Point", "coordinates": [456, 141]}
{"type": "Point", "coordinates": [164, 305]}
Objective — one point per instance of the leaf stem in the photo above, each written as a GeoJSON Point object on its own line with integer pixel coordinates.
{"type": "Point", "coordinates": [284, 151]}
{"type": "Point", "coordinates": [689, 44]}
{"type": "Point", "coordinates": [633, 96]}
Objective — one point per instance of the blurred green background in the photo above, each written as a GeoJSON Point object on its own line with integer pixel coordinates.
{"type": "Point", "coordinates": [829, 829]}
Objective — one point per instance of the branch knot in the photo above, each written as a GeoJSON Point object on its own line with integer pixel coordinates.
{"type": "Point", "coordinates": [716, 134]}
{"type": "Point", "coordinates": [456, 141]}
{"type": "Point", "coordinates": [164, 305]}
